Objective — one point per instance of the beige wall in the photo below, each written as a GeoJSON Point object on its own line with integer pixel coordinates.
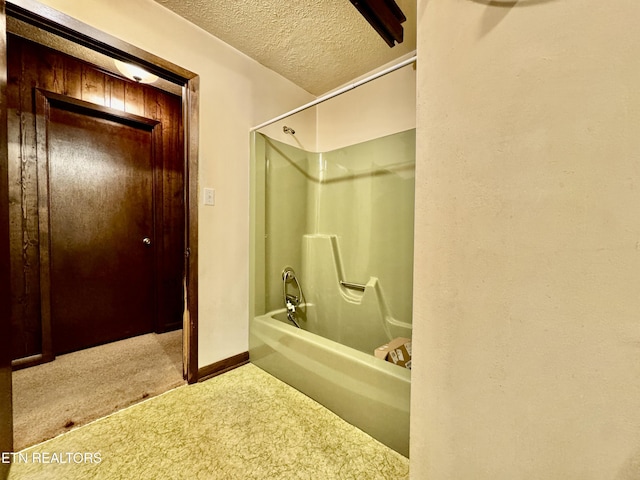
{"type": "Point", "coordinates": [376, 109]}
{"type": "Point", "coordinates": [236, 94]}
{"type": "Point", "coordinates": [304, 125]}
{"type": "Point", "coordinates": [527, 265]}
{"type": "Point", "coordinates": [379, 108]}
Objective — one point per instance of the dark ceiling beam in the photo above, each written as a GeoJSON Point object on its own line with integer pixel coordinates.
{"type": "Point", "coordinates": [385, 17]}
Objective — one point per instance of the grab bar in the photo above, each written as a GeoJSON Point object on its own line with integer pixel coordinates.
{"type": "Point", "coordinates": [352, 286]}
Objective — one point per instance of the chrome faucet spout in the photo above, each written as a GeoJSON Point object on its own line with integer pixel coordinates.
{"type": "Point", "coordinates": [292, 319]}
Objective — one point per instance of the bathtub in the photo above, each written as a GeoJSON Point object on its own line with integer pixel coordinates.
{"type": "Point", "coordinates": [367, 392]}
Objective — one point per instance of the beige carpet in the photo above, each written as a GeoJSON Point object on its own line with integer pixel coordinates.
{"type": "Point", "coordinates": [80, 387]}
{"type": "Point", "coordinates": [244, 424]}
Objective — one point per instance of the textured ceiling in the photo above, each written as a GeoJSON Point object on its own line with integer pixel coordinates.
{"type": "Point", "coordinates": [317, 44]}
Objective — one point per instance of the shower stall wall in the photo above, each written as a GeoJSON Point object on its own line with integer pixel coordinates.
{"type": "Point", "coordinates": [343, 220]}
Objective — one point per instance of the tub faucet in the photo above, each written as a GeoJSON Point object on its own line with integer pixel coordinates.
{"type": "Point", "coordinates": [291, 301]}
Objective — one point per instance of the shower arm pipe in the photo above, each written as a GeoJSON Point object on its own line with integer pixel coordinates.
{"type": "Point", "coordinates": [340, 91]}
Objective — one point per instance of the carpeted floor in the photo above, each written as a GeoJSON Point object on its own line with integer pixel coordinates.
{"type": "Point", "coordinates": [244, 424]}
{"type": "Point", "coordinates": [82, 386]}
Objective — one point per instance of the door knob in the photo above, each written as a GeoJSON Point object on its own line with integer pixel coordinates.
{"type": "Point", "coordinates": [146, 241]}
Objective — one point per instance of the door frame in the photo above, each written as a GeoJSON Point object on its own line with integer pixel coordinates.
{"type": "Point", "coordinates": [51, 20]}
{"type": "Point", "coordinates": [6, 412]}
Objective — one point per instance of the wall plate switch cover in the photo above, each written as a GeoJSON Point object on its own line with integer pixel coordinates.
{"type": "Point", "coordinates": [209, 196]}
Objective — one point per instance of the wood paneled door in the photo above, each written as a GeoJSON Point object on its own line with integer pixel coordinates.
{"type": "Point", "coordinates": [101, 224]}
{"type": "Point", "coordinates": [96, 205]}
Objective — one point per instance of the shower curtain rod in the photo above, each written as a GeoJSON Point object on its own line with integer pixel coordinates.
{"type": "Point", "coordinates": [381, 73]}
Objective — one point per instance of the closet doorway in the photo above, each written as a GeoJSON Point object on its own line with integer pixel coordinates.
{"type": "Point", "coordinates": [97, 209]}
{"type": "Point", "coordinates": [59, 205]}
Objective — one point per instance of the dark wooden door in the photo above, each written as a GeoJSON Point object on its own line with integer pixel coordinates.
{"type": "Point", "coordinates": [101, 228]}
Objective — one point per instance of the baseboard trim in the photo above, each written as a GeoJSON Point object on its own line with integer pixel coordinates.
{"type": "Point", "coordinates": [31, 361]}
{"type": "Point", "coordinates": [223, 366]}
